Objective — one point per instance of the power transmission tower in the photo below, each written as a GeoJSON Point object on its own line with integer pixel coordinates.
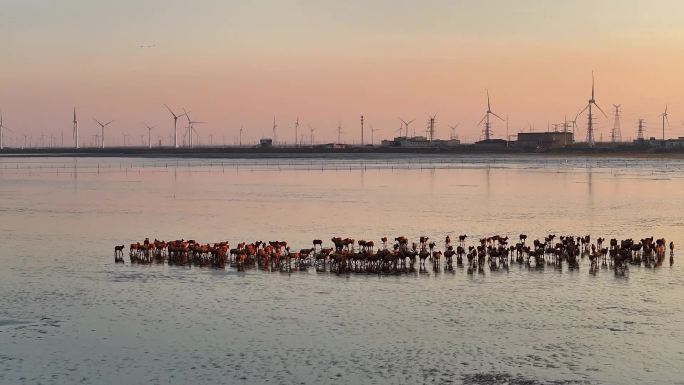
{"type": "Point", "coordinates": [642, 128]}
{"type": "Point", "coordinates": [615, 134]}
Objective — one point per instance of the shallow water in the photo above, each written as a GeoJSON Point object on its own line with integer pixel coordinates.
{"type": "Point", "coordinates": [68, 314]}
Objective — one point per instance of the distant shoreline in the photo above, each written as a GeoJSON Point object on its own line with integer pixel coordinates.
{"type": "Point", "coordinates": [323, 152]}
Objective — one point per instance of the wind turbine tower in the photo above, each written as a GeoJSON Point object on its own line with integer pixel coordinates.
{"type": "Point", "coordinates": [615, 135]}
{"type": "Point", "coordinates": [431, 127]}
{"type": "Point", "coordinates": [362, 130]}
{"type": "Point", "coordinates": [590, 117]}
{"type": "Point", "coordinates": [311, 132]}
{"type": "Point", "coordinates": [487, 132]}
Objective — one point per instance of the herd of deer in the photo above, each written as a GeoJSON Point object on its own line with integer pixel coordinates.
{"type": "Point", "coordinates": [348, 255]}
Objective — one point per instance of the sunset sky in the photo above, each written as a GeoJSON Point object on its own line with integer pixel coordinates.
{"type": "Point", "coordinates": [239, 63]}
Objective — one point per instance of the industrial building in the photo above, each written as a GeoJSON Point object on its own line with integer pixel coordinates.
{"type": "Point", "coordinates": [544, 140]}
{"type": "Point", "coordinates": [419, 142]}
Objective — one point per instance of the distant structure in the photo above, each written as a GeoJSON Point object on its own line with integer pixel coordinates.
{"type": "Point", "coordinates": [487, 131]}
{"type": "Point", "coordinates": [74, 132]}
{"type": "Point", "coordinates": [590, 116]}
{"type": "Point", "coordinates": [266, 142]}
{"type": "Point", "coordinates": [544, 140]}
{"type": "Point", "coordinates": [615, 134]}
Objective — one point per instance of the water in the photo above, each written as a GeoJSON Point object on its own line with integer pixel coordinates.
{"type": "Point", "coordinates": [68, 314]}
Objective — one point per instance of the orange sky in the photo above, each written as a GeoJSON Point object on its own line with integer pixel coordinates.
{"type": "Point", "coordinates": [239, 63]}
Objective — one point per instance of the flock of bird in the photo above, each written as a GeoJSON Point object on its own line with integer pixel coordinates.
{"type": "Point", "coordinates": [347, 255]}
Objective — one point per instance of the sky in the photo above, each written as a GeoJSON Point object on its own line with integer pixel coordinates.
{"type": "Point", "coordinates": [240, 63]}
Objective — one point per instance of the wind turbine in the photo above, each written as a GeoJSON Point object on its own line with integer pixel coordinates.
{"type": "Point", "coordinates": [149, 134]}
{"type": "Point", "coordinates": [665, 119]}
{"type": "Point", "coordinates": [590, 116]}
{"type": "Point", "coordinates": [102, 126]}
{"type": "Point", "coordinates": [311, 129]}
{"type": "Point", "coordinates": [339, 132]}
{"type": "Point", "coordinates": [488, 126]}
{"type": "Point", "coordinates": [406, 124]}
{"type": "Point", "coordinates": [2, 132]}
{"type": "Point", "coordinates": [275, 128]}
{"type": "Point", "coordinates": [241, 130]}
{"type": "Point", "coordinates": [453, 130]}
{"type": "Point", "coordinates": [191, 127]}
{"type": "Point", "coordinates": [296, 130]}
{"type": "Point", "coordinates": [175, 126]}
{"type": "Point", "coordinates": [75, 130]}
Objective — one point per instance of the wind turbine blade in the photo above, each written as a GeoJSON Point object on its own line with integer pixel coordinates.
{"type": "Point", "coordinates": [581, 111]}
{"type": "Point", "coordinates": [592, 86]}
{"type": "Point", "coordinates": [483, 119]}
{"type": "Point", "coordinates": [98, 122]}
{"type": "Point", "coordinates": [489, 107]}
{"type": "Point", "coordinates": [411, 121]}
{"type": "Point", "coordinates": [169, 108]}
{"type": "Point", "coordinates": [600, 109]}
{"type": "Point", "coordinates": [502, 119]}
{"type": "Point", "coordinates": [109, 122]}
